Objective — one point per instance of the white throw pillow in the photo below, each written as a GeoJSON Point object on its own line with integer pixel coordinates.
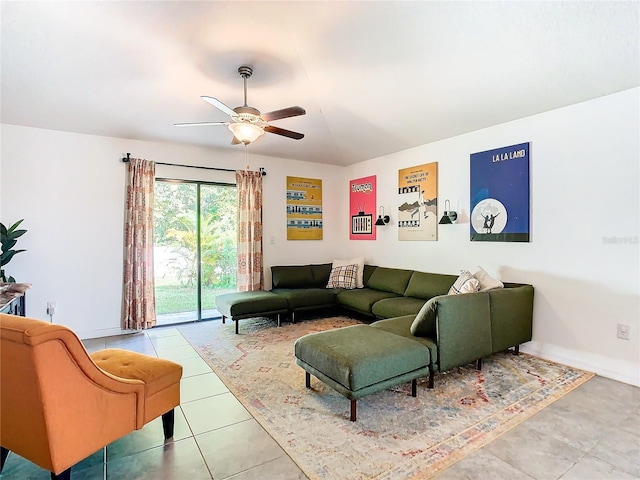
{"type": "Point", "coordinates": [487, 282]}
{"type": "Point", "coordinates": [465, 283]}
{"type": "Point", "coordinates": [359, 261]}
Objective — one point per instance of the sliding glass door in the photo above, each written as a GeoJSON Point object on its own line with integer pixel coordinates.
{"type": "Point", "coordinates": [194, 248]}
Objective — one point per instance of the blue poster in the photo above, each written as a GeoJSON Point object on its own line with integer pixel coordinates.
{"type": "Point", "coordinates": [500, 194]}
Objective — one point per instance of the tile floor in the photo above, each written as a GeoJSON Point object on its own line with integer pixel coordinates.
{"type": "Point", "coordinates": [591, 433]}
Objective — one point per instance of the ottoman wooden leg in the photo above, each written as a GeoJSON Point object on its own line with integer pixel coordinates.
{"type": "Point", "coordinates": [414, 388]}
{"type": "Point", "coordinates": [224, 319]}
{"type": "Point", "coordinates": [516, 350]}
{"type": "Point", "coordinates": [237, 322]}
{"type": "Point", "coordinates": [307, 379]}
{"type": "Point", "coordinates": [353, 410]}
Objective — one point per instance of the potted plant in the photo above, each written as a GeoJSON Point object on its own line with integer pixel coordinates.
{"type": "Point", "coordinates": [8, 240]}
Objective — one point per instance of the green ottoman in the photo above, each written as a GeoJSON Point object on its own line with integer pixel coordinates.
{"type": "Point", "coordinates": [361, 360]}
{"type": "Point", "coordinates": [258, 303]}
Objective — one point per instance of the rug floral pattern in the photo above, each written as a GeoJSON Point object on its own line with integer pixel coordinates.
{"type": "Point", "coordinates": [396, 436]}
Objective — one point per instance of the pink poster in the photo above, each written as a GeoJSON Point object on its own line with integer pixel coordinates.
{"type": "Point", "coordinates": [362, 208]}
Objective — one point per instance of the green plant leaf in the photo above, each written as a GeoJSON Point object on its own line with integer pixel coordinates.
{"type": "Point", "coordinates": [8, 255]}
{"type": "Point", "coordinates": [8, 244]}
{"type": "Point", "coordinates": [3, 230]}
{"type": "Point", "coordinates": [14, 226]}
{"type": "Point", "coordinates": [16, 233]}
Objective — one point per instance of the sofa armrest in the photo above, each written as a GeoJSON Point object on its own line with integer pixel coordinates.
{"type": "Point", "coordinates": [511, 315]}
{"type": "Point", "coordinates": [463, 328]}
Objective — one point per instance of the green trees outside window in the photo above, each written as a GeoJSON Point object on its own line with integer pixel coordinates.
{"type": "Point", "coordinates": [195, 224]}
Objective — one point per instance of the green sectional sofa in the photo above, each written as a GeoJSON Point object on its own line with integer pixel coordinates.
{"type": "Point", "coordinates": [493, 321]}
{"type": "Point", "coordinates": [454, 329]}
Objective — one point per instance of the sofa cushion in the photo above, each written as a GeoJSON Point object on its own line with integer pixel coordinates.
{"type": "Point", "coordinates": [320, 274]}
{"type": "Point", "coordinates": [397, 306]}
{"type": "Point", "coordinates": [351, 356]}
{"type": "Point", "coordinates": [307, 297]}
{"type": "Point", "coordinates": [394, 280]}
{"type": "Point", "coordinates": [368, 271]}
{"type": "Point", "coordinates": [247, 304]}
{"type": "Point", "coordinates": [362, 299]}
{"type": "Point", "coordinates": [292, 276]}
{"type": "Point", "coordinates": [402, 326]}
{"type": "Point", "coordinates": [428, 285]}
{"type": "Point", "coordinates": [465, 283]}
{"type": "Point", "coordinates": [344, 276]}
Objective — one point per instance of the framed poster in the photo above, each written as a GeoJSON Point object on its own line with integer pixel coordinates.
{"type": "Point", "coordinates": [304, 208]}
{"type": "Point", "coordinates": [418, 202]}
{"type": "Point", "coordinates": [362, 208]}
{"type": "Point", "coordinates": [500, 194]}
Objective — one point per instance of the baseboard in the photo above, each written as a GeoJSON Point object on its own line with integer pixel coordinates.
{"type": "Point", "coordinates": [107, 332]}
{"type": "Point", "coordinates": [613, 368]}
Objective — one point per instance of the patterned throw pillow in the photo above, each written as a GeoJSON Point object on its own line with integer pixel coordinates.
{"type": "Point", "coordinates": [465, 283]}
{"type": "Point", "coordinates": [359, 261]}
{"type": "Point", "coordinates": [343, 277]}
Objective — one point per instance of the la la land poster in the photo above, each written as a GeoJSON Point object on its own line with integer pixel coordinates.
{"type": "Point", "coordinates": [500, 194]}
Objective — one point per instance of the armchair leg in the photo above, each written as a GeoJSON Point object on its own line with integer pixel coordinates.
{"type": "Point", "coordinates": [66, 475]}
{"type": "Point", "coordinates": [479, 364]}
{"type": "Point", "coordinates": [431, 379]}
{"type": "Point", "coordinates": [516, 350]}
{"type": "Point", "coordinates": [167, 423]}
{"type": "Point", "coordinates": [3, 457]}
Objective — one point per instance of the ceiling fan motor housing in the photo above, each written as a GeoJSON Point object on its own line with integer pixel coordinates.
{"type": "Point", "coordinates": [248, 114]}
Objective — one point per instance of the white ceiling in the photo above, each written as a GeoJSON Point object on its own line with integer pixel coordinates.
{"type": "Point", "coordinates": [374, 77]}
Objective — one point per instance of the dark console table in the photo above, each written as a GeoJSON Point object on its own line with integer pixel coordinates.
{"type": "Point", "coordinates": [13, 306]}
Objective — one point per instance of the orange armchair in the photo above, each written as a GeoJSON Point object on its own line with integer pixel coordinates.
{"type": "Point", "coordinates": [58, 404]}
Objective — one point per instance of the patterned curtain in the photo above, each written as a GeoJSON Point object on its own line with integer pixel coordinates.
{"type": "Point", "coordinates": [139, 309]}
{"type": "Point", "coordinates": [250, 275]}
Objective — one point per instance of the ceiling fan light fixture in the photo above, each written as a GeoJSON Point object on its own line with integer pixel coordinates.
{"type": "Point", "coordinates": [246, 132]}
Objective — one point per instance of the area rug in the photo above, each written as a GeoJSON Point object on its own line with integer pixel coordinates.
{"type": "Point", "coordinates": [396, 436]}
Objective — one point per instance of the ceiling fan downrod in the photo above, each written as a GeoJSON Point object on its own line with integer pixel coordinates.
{"type": "Point", "coordinates": [245, 72]}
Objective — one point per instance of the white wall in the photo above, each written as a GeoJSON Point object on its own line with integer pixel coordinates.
{"type": "Point", "coordinates": [70, 188]}
{"type": "Point", "coordinates": [584, 189]}
{"type": "Point", "coordinates": [585, 167]}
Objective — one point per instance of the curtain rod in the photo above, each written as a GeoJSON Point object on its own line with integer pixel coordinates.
{"type": "Point", "coordinates": [128, 157]}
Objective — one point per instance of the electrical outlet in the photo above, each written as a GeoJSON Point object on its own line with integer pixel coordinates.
{"type": "Point", "coordinates": [51, 308]}
{"type": "Point", "coordinates": [623, 331]}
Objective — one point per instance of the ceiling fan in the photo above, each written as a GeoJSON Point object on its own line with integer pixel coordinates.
{"type": "Point", "coordinates": [247, 123]}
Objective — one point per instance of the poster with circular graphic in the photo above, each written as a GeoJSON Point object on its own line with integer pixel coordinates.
{"type": "Point", "coordinates": [500, 195]}
{"type": "Point", "coordinates": [489, 216]}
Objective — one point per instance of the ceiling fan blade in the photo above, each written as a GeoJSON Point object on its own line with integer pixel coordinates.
{"type": "Point", "coordinates": [218, 104]}
{"type": "Point", "coordinates": [283, 132]}
{"type": "Point", "coordinates": [199, 124]}
{"type": "Point", "coordinates": [284, 113]}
